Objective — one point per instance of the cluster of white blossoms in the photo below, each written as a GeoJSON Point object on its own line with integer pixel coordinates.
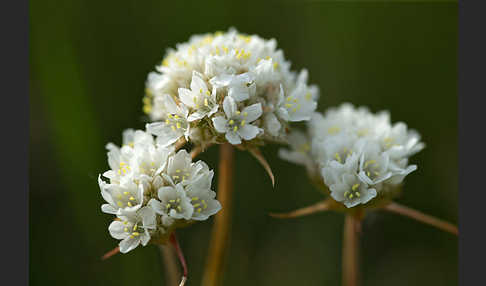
{"type": "Point", "coordinates": [226, 87]}
{"type": "Point", "coordinates": [357, 154]}
{"type": "Point", "coordinates": [152, 190]}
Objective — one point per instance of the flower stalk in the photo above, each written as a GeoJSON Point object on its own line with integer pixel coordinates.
{"type": "Point", "coordinates": [350, 250]}
{"type": "Point", "coordinates": [421, 217]}
{"type": "Point", "coordinates": [171, 269]}
{"type": "Point", "coordinates": [219, 241]}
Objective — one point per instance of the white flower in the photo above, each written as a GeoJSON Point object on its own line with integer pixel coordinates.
{"type": "Point", "coordinates": [236, 124]}
{"type": "Point", "coordinates": [202, 197]}
{"type": "Point", "coordinates": [358, 154]}
{"type": "Point", "coordinates": [175, 125]}
{"type": "Point", "coordinates": [133, 229]}
{"type": "Point", "coordinates": [181, 169]}
{"type": "Point", "coordinates": [153, 190]}
{"type": "Point", "coordinates": [299, 104]}
{"type": "Point", "coordinates": [351, 191]}
{"type": "Point", "coordinates": [201, 73]}
{"type": "Point", "coordinates": [199, 98]}
{"type": "Point", "coordinates": [121, 199]}
{"type": "Point", "coordinates": [173, 202]}
{"type": "Point", "coordinates": [239, 86]}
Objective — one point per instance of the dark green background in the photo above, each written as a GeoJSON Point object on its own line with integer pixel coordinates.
{"type": "Point", "coordinates": [89, 61]}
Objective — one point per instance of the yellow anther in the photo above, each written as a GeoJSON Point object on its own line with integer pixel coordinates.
{"type": "Point", "coordinates": [134, 227]}
{"type": "Point", "coordinates": [126, 229]}
{"type": "Point", "coordinates": [289, 98]}
{"type": "Point", "coordinates": [171, 201]}
{"type": "Point", "coordinates": [275, 65]}
{"type": "Point", "coordinates": [358, 194]}
{"type": "Point", "coordinates": [126, 193]}
{"type": "Point", "coordinates": [199, 210]}
{"type": "Point", "coordinates": [206, 103]}
{"type": "Point", "coordinates": [132, 236]}
{"type": "Point", "coordinates": [119, 203]}
{"type": "Point", "coordinates": [200, 90]}
{"type": "Point", "coordinates": [175, 177]}
{"type": "Point", "coordinates": [333, 130]}
{"type": "Point", "coordinates": [308, 96]}
{"type": "Point", "coordinates": [369, 162]}
{"type": "Point", "coordinates": [368, 173]}
{"type": "Point", "coordinates": [238, 112]}
{"type": "Point", "coordinates": [354, 187]}
{"type": "Point", "coordinates": [225, 49]}
{"type": "Point", "coordinates": [194, 198]}
{"type": "Point", "coordinates": [129, 204]}
{"type": "Point", "coordinates": [178, 124]}
{"type": "Point", "coordinates": [294, 109]}
{"type": "Point", "coordinates": [196, 205]}
{"type": "Point", "coordinates": [178, 171]}
{"type": "Point", "coordinates": [235, 128]}
{"type": "Point", "coordinates": [288, 105]}
{"type": "Point", "coordinates": [135, 233]}
{"type": "Point", "coordinates": [350, 196]}
{"type": "Point", "coordinates": [173, 128]}
{"type": "Point", "coordinates": [179, 208]}
{"type": "Point", "coordinates": [132, 198]}
{"type": "Point", "coordinates": [338, 158]}
{"type": "Point", "coordinates": [167, 205]}
{"type": "Point", "coordinates": [178, 200]}
{"type": "Point", "coordinates": [231, 122]}
{"type": "Point", "coordinates": [245, 114]}
{"type": "Point", "coordinates": [170, 116]}
{"type": "Point", "coordinates": [243, 123]}
{"type": "Point", "coordinates": [208, 93]}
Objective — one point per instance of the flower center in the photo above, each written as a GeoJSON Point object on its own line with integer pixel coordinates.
{"type": "Point", "coordinates": [371, 169]}
{"type": "Point", "coordinates": [343, 155]}
{"type": "Point", "coordinates": [124, 168]}
{"type": "Point", "coordinates": [132, 231]}
{"type": "Point", "coordinates": [354, 192]}
{"type": "Point", "coordinates": [175, 122]}
{"type": "Point", "coordinates": [180, 176]}
{"type": "Point", "coordinates": [198, 204]}
{"type": "Point", "coordinates": [238, 121]}
{"type": "Point", "coordinates": [126, 199]}
{"type": "Point", "coordinates": [174, 204]}
{"type": "Point", "coordinates": [292, 104]}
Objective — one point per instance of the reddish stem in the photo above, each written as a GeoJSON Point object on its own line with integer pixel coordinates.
{"type": "Point", "coordinates": [110, 253]}
{"type": "Point", "coordinates": [180, 255]}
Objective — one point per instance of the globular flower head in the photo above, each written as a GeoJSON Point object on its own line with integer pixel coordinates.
{"type": "Point", "coordinates": [356, 154]}
{"type": "Point", "coordinates": [152, 190]}
{"type": "Point", "coordinates": [214, 79]}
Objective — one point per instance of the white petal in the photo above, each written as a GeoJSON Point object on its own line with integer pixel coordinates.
{"type": "Point", "coordinates": [186, 97]}
{"type": "Point", "coordinates": [248, 131]}
{"type": "Point", "coordinates": [116, 230]}
{"type": "Point", "coordinates": [233, 138]}
{"type": "Point", "coordinates": [129, 244]}
{"type": "Point", "coordinates": [197, 115]}
{"type": "Point", "coordinates": [197, 82]}
{"type": "Point", "coordinates": [252, 112]}
{"type": "Point", "coordinates": [229, 106]}
{"type": "Point", "coordinates": [219, 123]}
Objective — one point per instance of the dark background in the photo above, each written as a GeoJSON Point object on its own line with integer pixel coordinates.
{"type": "Point", "coordinates": [89, 61]}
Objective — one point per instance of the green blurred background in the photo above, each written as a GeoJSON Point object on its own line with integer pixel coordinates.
{"type": "Point", "coordinates": [89, 61]}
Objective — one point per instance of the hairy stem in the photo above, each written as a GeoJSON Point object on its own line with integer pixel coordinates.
{"type": "Point", "coordinates": [350, 251]}
{"type": "Point", "coordinates": [427, 219]}
{"type": "Point", "coordinates": [219, 242]}
{"type": "Point", "coordinates": [170, 263]}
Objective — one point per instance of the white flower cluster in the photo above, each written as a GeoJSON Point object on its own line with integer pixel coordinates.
{"type": "Point", "coordinates": [153, 190]}
{"type": "Point", "coordinates": [226, 86]}
{"type": "Point", "coordinates": [359, 155]}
